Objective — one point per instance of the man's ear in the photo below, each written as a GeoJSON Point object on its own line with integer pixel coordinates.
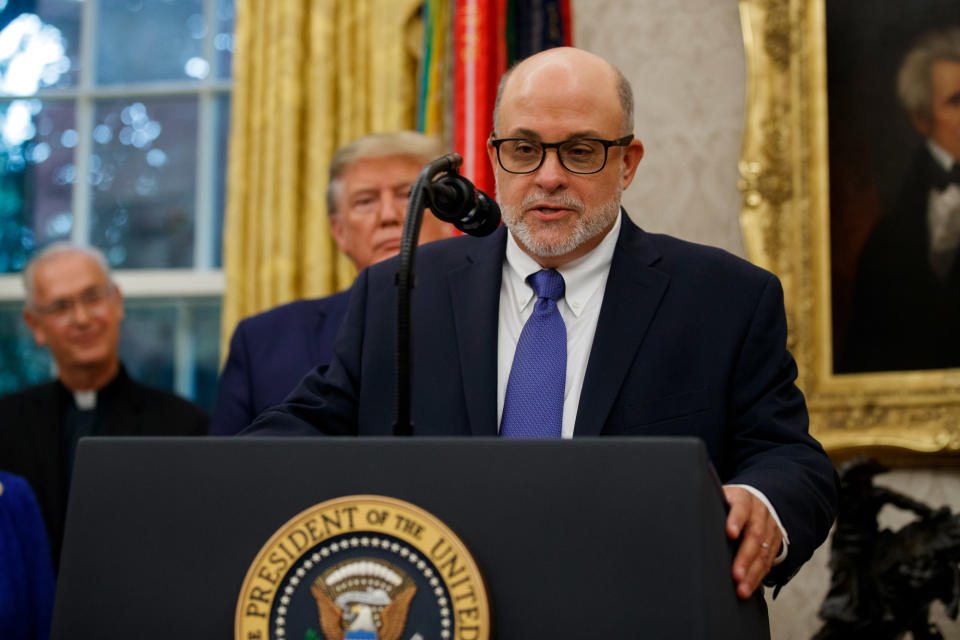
{"type": "Point", "coordinates": [922, 124]}
{"type": "Point", "coordinates": [36, 327]}
{"type": "Point", "coordinates": [492, 154]}
{"type": "Point", "coordinates": [632, 156]}
{"type": "Point", "coordinates": [337, 231]}
{"type": "Point", "coordinates": [119, 298]}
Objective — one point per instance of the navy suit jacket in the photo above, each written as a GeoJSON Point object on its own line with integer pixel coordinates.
{"type": "Point", "coordinates": [691, 341]}
{"type": "Point", "coordinates": [269, 354]}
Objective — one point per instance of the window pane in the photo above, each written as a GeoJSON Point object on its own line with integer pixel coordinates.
{"type": "Point", "coordinates": [153, 353]}
{"type": "Point", "coordinates": [146, 341]}
{"type": "Point", "coordinates": [223, 40]}
{"type": "Point", "coordinates": [36, 174]}
{"type": "Point", "coordinates": [22, 362]}
{"type": "Point", "coordinates": [220, 202]}
{"type": "Point", "coordinates": [150, 40]}
{"type": "Point", "coordinates": [205, 335]}
{"type": "Point", "coordinates": [143, 178]}
{"type": "Point", "coordinates": [39, 45]}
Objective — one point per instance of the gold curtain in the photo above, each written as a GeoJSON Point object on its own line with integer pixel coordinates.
{"type": "Point", "coordinates": [309, 75]}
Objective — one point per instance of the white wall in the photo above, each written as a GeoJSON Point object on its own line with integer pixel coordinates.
{"type": "Point", "coordinates": [685, 60]}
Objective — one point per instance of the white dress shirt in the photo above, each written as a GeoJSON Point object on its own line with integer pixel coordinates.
{"type": "Point", "coordinates": [943, 217]}
{"type": "Point", "coordinates": [585, 280]}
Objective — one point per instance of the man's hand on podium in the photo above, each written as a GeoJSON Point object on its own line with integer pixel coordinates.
{"type": "Point", "coordinates": [760, 538]}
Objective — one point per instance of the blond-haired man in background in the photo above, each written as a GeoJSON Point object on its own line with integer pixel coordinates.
{"type": "Point", "coordinates": [367, 194]}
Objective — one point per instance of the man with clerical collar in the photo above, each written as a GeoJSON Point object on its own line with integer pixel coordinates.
{"type": "Point", "coordinates": [74, 309]}
{"type": "Point", "coordinates": [570, 321]}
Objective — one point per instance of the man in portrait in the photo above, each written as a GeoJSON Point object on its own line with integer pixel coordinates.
{"type": "Point", "coordinates": [367, 195]}
{"type": "Point", "coordinates": [74, 309]}
{"type": "Point", "coordinates": [905, 308]}
{"type": "Point", "coordinates": [570, 321]}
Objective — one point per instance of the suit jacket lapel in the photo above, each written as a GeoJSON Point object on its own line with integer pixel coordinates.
{"type": "Point", "coordinates": [630, 302]}
{"type": "Point", "coordinates": [475, 291]}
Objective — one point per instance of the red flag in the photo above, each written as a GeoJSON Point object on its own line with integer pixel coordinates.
{"type": "Point", "coordinates": [482, 30]}
{"type": "Point", "coordinates": [480, 60]}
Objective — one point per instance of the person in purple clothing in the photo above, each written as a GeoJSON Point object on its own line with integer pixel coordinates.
{"type": "Point", "coordinates": [367, 194]}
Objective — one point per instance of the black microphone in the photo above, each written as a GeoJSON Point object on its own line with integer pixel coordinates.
{"type": "Point", "coordinates": [452, 198]}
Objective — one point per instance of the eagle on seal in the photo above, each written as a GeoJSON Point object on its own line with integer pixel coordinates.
{"type": "Point", "coordinates": [351, 616]}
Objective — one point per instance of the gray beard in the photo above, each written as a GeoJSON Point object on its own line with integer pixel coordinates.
{"type": "Point", "coordinates": [588, 224]}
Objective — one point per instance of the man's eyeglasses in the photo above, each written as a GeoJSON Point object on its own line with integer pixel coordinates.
{"type": "Point", "coordinates": [577, 155]}
{"type": "Point", "coordinates": [62, 310]}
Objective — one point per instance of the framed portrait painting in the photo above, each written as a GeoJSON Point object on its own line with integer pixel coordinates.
{"type": "Point", "coordinates": [850, 170]}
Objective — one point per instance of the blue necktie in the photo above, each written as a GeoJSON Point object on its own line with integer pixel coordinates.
{"type": "Point", "coordinates": [533, 405]}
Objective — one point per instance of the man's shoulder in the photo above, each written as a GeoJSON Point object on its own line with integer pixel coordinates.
{"type": "Point", "coordinates": [162, 402]}
{"type": "Point", "coordinates": [13, 485]}
{"type": "Point", "coordinates": [923, 170]}
{"type": "Point", "coordinates": [296, 312]}
{"type": "Point", "coordinates": [710, 279]}
{"type": "Point", "coordinates": [38, 393]}
{"type": "Point", "coordinates": [154, 393]}
{"type": "Point", "coordinates": [904, 216]}
{"type": "Point", "coordinates": [702, 260]}
{"type": "Point", "coordinates": [435, 258]}
{"type": "Point", "coordinates": [460, 245]}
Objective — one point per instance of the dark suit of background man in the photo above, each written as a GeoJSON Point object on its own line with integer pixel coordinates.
{"type": "Point", "coordinates": [367, 196]}
{"type": "Point", "coordinates": [74, 309]}
{"type": "Point", "coordinates": [905, 312]}
{"type": "Point", "coordinates": [663, 337]}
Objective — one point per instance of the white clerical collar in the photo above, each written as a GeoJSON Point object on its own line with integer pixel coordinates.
{"type": "Point", "coordinates": [582, 277]}
{"type": "Point", "coordinates": [85, 400]}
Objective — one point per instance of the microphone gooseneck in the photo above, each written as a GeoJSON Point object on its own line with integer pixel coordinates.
{"type": "Point", "coordinates": [452, 198]}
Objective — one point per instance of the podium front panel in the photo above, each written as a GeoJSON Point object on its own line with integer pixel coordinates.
{"type": "Point", "coordinates": [591, 538]}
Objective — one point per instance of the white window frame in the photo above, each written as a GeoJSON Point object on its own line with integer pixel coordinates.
{"type": "Point", "coordinates": [203, 280]}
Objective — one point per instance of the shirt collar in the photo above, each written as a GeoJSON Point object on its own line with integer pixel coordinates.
{"type": "Point", "coordinates": [582, 277]}
{"type": "Point", "coordinates": [90, 398]}
{"type": "Point", "coordinates": [85, 399]}
{"type": "Point", "coordinates": [941, 155]}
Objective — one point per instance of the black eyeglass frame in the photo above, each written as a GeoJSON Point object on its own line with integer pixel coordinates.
{"type": "Point", "coordinates": [619, 142]}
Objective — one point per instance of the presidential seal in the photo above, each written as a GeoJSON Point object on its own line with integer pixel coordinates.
{"type": "Point", "coordinates": [363, 568]}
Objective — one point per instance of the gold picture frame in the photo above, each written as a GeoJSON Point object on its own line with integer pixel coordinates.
{"type": "Point", "coordinates": [905, 417]}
